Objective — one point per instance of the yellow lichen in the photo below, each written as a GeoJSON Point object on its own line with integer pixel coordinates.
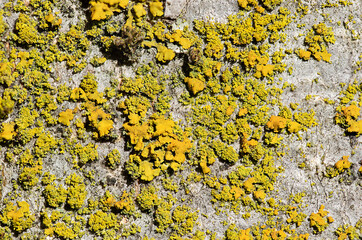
{"type": "Point", "coordinates": [139, 10]}
{"type": "Point", "coordinates": [156, 9]}
{"type": "Point", "coordinates": [194, 85]}
{"type": "Point", "coordinates": [343, 164]}
{"type": "Point", "coordinates": [8, 131]}
{"type": "Point", "coordinates": [277, 123]}
{"type": "Point", "coordinates": [164, 54]}
{"type": "Point", "coordinates": [65, 117]}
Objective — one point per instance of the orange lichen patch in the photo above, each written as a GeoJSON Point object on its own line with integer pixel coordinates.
{"type": "Point", "coordinates": [343, 164]}
{"type": "Point", "coordinates": [318, 220]}
{"type": "Point", "coordinates": [247, 146]}
{"type": "Point", "coordinates": [264, 70]}
{"type": "Point", "coordinates": [100, 11]}
{"type": "Point", "coordinates": [96, 97]}
{"type": "Point", "coordinates": [251, 59]}
{"type": "Point", "coordinates": [65, 117]}
{"type": "Point", "coordinates": [163, 127]}
{"type": "Point", "coordinates": [259, 195]}
{"type": "Point", "coordinates": [276, 123]}
{"type": "Point", "coordinates": [50, 18]}
{"type": "Point", "coordinates": [19, 216]}
{"type": "Point", "coordinates": [116, 3]}
{"type": "Point", "coordinates": [326, 56]}
{"type": "Point", "coordinates": [103, 9]}
{"type": "Point", "coordinates": [150, 152]}
{"type": "Point", "coordinates": [243, 3]}
{"type": "Point", "coordinates": [134, 118]}
{"type": "Point", "coordinates": [137, 134]}
{"type": "Point", "coordinates": [164, 54]}
{"type": "Point", "coordinates": [273, 234]}
{"type": "Point", "coordinates": [293, 127]}
{"type": "Point", "coordinates": [355, 127]}
{"type": "Point", "coordinates": [242, 112]}
{"type": "Point", "coordinates": [147, 171]}
{"type": "Point", "coordinates": [237, 191]}
{"type": "Point", "coordinates": [7, 132]}
{"type": "Point", "coordinates": [233, 233]}
{"type": "Point", "coordinates": [351, 112]}
{"type": "Point", "coordinates": [176, 149]}
{"type": "Point", "coordinates": [194, 85]}
{"type": "Point", "coordinates": [156, 9]}
{"type": "Point", "coordinates": [230, 110]}
{"type": "Point", "coordinates": [104, 126]}
{"type": "Point", "coordinates": [303, 54]}
{"type": "Point", "coordinates": [330, 219]}
{"type": "Point", "coordinates": [249, 184]}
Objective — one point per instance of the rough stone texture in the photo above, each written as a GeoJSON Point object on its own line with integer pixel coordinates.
{"type": "Point", "coordinates": [344, 204]}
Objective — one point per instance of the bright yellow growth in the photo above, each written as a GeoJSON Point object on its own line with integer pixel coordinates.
{"type": "Point", "coordinates": [156, 9]}
{"type": "Point", "coordinates": [147, 171]}
{"type": "Point", "coordinates": [293, 127]}
{"type": "Point", "coordinates": [318, 220]}
{"type": "Point", "coordinates": [104, 127]}
{"type": "Point", "coordinates": [351, 112]}
{"type": "Point", "coordinates": [177, 37]}
{"type": "Point", "coordinates": [326, 56]}
{"type": "Point", "coordinates": [343, 164]}
{"type": "Point", "coordinates": [163, 127]}
{"type": "Point", "coordinates": [103, 9]}
{"type": "Point", "coordinates": [18, 216]}
{"type": "Point", "coordinates": [65, 117]}
{"type": "Point", "coordinates": [164, 54]}
{"type": "Point", "coordinates": [139, 10]}
{"type": "Point", "coordinates": [137, 134]}
{"type": "Point", "coordinates": [277, 123]}
{"type": "Point", "coordinates": [7, 132]}
{"type": "Point", "coordinates": [194, 85]}
{"type": "Point", "coordinates": [305, 55]}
